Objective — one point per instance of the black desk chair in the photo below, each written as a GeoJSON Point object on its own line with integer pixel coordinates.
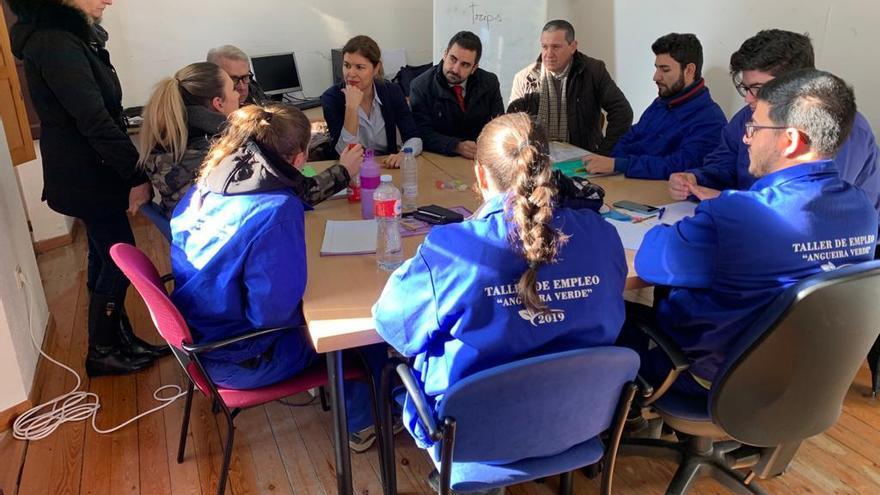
{"type": "Point", "coordinates": [784, 381]}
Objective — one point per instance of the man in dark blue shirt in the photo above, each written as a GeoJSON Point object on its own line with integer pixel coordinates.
{"type": "Point", "coordinates": [769, 54]}
{"type": "Point", "coordinates": [740, 250]}
{"type": "Point", "coordinates": [680, 127]}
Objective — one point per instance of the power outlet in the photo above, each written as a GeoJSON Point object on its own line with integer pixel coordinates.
{"type": "Point", "coordinates": [19, 277]}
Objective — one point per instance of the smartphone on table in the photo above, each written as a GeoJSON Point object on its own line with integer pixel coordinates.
{"type": "Point", "coordinates": [636, 207]}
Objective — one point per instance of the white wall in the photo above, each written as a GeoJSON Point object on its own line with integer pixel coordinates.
{"type": "Point", "coordinates": [18, 359]}
{"type": "Point", "coordinates": [152, 39]}
{"type": "Point", "coordinates": [844, 33]}
{"type": "Point", "coordinates": [45, 223]}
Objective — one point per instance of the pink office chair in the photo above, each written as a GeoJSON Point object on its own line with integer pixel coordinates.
{"type": "Point", "coordinates": [173, 328]}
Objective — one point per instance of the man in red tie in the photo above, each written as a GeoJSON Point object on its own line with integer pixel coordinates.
{"type": "Point", "coordinates": [453, 100]}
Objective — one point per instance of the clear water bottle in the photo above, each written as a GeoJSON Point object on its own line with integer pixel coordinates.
{"type": "Point", "coordinates": [369, 179]}
{"type": "Point", "coordinates": [386, 203]}
{"type": "Point", "coordinates": [410, 170]}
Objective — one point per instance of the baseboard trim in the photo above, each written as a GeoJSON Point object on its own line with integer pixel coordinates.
{"type": "Point", "coordinates": [40, 375]}
{"type": "Point", "coordinates": [7, 416]}
{"type": "Point", "coordinates": [46, 245]}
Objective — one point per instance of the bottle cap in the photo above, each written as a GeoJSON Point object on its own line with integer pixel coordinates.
{"type": "Point", "coordinates": [385, 178]}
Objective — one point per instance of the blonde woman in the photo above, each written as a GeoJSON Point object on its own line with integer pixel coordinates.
{"type": "Point", "coordinates": [182, 116]}
{"type": "Point", "coordinates": [89, 162]}
{"type": "Point", "coordinates": [523, 277]}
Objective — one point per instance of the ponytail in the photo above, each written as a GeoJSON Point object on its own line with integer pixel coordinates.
{"type": "Point", "coordinates": [514, 150]}
{"type": "Point", "coordinates": [277, 127]}
{"type": "Point", "coordinates": [165, 120]}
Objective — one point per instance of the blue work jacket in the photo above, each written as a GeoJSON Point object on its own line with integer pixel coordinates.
{"type": "Point", "coordinates": [729, 261]}
{"type": "Point", "coordinates": [238, 255]}
{"type": "Point", "coordinates": [672, 135]}
{"type": "Point", "coordinates": [454, 305]}
{"type": "Point", "coordinates": [728, 166]}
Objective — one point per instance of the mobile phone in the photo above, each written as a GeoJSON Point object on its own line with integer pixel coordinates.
{"type": "Point", "coordinates": [636, 207]}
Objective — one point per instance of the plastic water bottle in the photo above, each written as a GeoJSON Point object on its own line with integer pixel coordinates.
{"type": "Point", "coordinates": [410, 171]}
{"type": "Point", "coordinates": [386, 201]}
{"type": "Point", "coordinates": [369, 182]}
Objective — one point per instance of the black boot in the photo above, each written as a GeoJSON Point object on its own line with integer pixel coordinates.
{"type": "Point", "coordinates": [874, 365]}
{"type": "Point", "coordinates": [136, 346]}
{"type": "Point", "coordinates": [106, 354]}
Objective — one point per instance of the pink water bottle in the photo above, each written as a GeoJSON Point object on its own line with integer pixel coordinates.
{"type": "Point", "coordinates": [369, 183]}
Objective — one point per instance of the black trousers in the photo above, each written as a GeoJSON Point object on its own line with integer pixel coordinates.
{"type": "Point", "coordinates": [103, 231]}
{"type": "Point", "coordinates": [654, 363]}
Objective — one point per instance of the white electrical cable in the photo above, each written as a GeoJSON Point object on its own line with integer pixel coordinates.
{"type": "Point", "coordinates": [77, 405]}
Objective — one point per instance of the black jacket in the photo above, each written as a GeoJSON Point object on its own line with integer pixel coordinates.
{"type": "Point", "coordinates": [89, 162]}
{"type": "Point", "coordinates": [440, 120]}
{"type": "Point", "coordinates": [590, 90]}
{"type": "Point", "coordinates": [395, 113]}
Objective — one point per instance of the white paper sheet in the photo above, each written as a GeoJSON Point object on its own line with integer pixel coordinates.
{"type": "Point", "coordinates": [563, 152]}
{"type": "Point", "coordinates": [673, 212]}
{"type": "Point", "coordinates": [631, 234]}
{"type": "Point", "coordinates": [349, 237]}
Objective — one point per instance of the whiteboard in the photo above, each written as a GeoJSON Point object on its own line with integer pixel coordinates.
{"type": "Point", "coordinates": [510, 31]}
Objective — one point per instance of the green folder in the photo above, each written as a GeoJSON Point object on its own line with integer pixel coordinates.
{"type": "Point", "coordinates": [571, 168]}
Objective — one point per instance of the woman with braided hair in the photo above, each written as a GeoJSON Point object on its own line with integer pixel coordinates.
{"type": "Point", "coordinates": [522, 277]}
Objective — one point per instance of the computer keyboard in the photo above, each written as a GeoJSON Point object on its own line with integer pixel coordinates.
{"type": "Point", "coordinates": [306, 104]}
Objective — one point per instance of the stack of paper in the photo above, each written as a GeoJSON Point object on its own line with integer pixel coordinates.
{"type": "Point", "coordinates": [564, 152]}
{"type": "Point", "coordinates": [349, 237]}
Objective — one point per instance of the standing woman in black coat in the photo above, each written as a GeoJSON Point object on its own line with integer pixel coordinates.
{"type": "Point", "coordinates": [89, 162]}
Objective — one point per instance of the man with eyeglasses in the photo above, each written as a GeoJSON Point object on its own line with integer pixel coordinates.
{"type": "Point", "coordinates": [237, 64]}
{"type": "Point", "coordinates": [761, 58]}
{"type": "Point", "coordinates": [740, 250]}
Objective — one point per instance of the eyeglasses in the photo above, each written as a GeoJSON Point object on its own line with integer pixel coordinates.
{"type": "Point", "coordinates": [751, 128]}
{"type": "Point", "coordinates": [246, 79]}
{"type": "Point", "coordinates": [743, 89]}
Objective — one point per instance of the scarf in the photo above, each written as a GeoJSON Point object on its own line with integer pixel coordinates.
{"type": "Point", "coordinates": [553, 106]}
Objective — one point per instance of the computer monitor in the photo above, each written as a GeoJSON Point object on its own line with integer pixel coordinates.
{"type": "Point", "coordinates": [277, 73]}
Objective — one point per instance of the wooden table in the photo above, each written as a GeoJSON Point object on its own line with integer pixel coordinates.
{"type": "Point", "coordinates": [341, 290]}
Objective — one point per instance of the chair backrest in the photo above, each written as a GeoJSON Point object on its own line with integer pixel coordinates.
{"type": "Point", "coordinates": [539, 406]}
{"type": "Point", "coordinates": [785, 379]}
{"type": "Point", "coordinates": [168, 320]}
{"type": "Point", "coordinates": [151, 211]}
{"type": "Point", "coordinates": [406, 75]}
{"type": "Point", "coordinates": [143, 275]}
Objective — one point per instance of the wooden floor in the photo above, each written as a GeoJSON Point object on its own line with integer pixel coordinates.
{"type": "Point", "coordinates": [287, 450]}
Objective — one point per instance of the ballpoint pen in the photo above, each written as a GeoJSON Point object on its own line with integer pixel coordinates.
{"type": "Point", "coordinates": [642, 219]}
{"type": "Point", "coordinates": [661, 212]}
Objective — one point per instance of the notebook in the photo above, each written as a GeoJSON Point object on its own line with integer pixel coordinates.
{"type": "Point", "coordinates": [349, 237]}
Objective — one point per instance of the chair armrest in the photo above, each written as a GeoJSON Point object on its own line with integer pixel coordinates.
{"type": "Point", "coordinates": [417, 395]}
{"type": "Point", "coordinates": [650, 394]}
{"type": "Point", "coordinates": [645, 388]}
{"type": "Point", "coordinates": [210, 346]}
